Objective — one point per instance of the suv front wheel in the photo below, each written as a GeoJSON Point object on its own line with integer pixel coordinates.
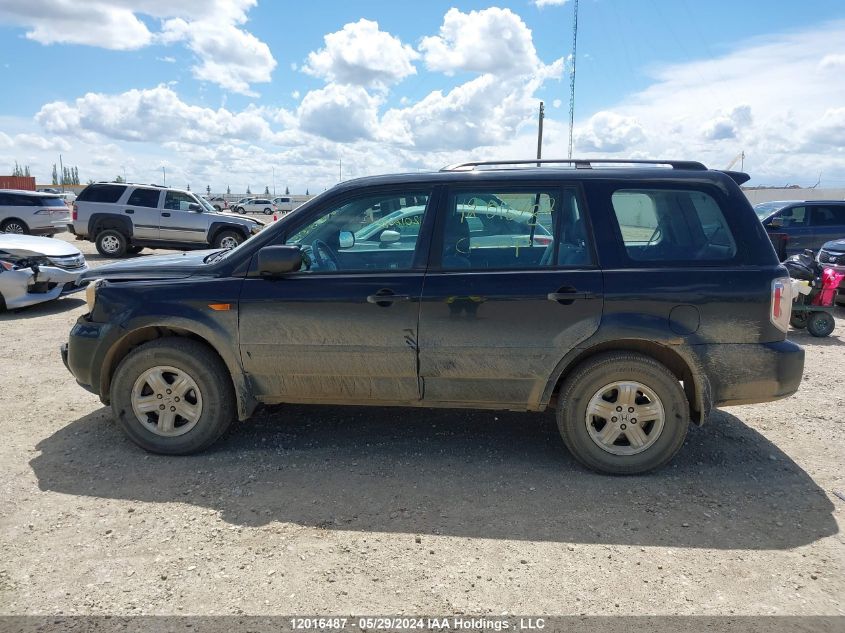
{"type": "Point", "coordinates": [227, 239]}
{"type": "Point", "coordinates": [111, 243]}
{"type": "Point", "coordinates": [173, 396]}
{"type": "Point", "coordinates": [622, 413]}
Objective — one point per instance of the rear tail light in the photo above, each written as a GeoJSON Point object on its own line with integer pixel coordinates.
{"type": "Point", "coordinates": [781, 303]}
{"type": "Point", "coordinates": [543, 240]}
{"type": "Point", "coordinates": [75, 213]}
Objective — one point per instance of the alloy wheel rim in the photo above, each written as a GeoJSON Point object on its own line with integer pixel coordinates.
{"type": "Point", "coordinates": [110, 244]}
{"type": "Point", "coordinates": [14, 227]}
{"type": "Point", "coordinates": [625, 418]}
{"type": "Point", "coordinates": [228, 242]}
{"type": "Point", "coordinates": [166, 401]}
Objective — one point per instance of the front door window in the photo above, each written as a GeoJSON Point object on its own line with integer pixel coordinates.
{"type": "Point", "coordinates": [375, 233]}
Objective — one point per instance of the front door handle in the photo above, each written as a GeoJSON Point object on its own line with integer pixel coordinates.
{"type": "Point", "coordinates": [129, 211]}
{"type": "Point", "coordinates": [567, 295]}
{"type": "Point", "coordinates": [385, 298]}
{"type": "Point", "coordinates": [165, 215]}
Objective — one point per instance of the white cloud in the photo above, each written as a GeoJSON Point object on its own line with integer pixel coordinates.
{"type": "Point", "coordinates": [492, 40]}
{"type": "Point", "coordinates": [549, 3]}
{"type": "Point", "coordinates": [729, 125]}
{"type": "Point", "coordinates": [609, 132]}
{"type": "Point", "coordinates": [767, 97]}
{"type": "Point", "coordinates": [152, 115]}
{"type": "Point", "coordinates": [227, 54]}
{"type": "Point", "coordinates": [339, 113]}
{"type": "Point", "coordinates": [832, 62]}
{"type": "Point", "coordinates": [361, 54]}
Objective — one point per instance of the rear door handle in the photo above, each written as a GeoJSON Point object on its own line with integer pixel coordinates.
{"type": "Point", "coordinates": [165, 215]}
{"type": "Point", "coordinates": [386, 297]}
{"type": "Point", "coordinates": [566, 296]}
{"type": "Point", "coordinates": [129, 211]}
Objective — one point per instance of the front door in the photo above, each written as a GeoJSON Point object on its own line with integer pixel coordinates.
{"type": "Point", "coordinates": [181, 223]}
{"type": "Point", "coordinates": [344, 328]}
{"type": "Point", "coordinates": [512, 288]}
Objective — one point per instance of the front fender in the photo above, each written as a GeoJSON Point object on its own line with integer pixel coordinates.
{"type": "Point", "coordinates": [152, 309]}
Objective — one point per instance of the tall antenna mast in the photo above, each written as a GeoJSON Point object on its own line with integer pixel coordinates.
{"type": "Point", "coordinates": [572, 79]}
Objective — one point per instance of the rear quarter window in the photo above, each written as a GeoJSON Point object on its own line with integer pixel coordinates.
{"type": "Point", "coordinates": [672, 225]}
{"type": "Point", "coordinates": [101, 193]}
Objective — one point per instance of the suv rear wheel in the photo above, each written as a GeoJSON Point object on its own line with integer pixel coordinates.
{"type": "Point", "coordinates": [173, 396]}
{"type": "Point", "coordinates": [622, 413]}
{"type": "Point", "coordinates": [111, 243]}
{"type": "Point", "coordinates": [13, 225]}
{"type": "Point", "coordinates": [227, 239]}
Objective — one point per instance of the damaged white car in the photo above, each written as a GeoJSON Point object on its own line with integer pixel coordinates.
{"type": "Point", "coordinates": [37, 269]}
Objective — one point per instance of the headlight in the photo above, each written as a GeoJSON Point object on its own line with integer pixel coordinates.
{"type": "Point", "coordinates": [91, 293]}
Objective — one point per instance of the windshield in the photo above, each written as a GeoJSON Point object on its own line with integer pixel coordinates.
{"type": "Point", "coordinates": [205, 204]}
{"type": "Point", "coordinates": [765, 209]}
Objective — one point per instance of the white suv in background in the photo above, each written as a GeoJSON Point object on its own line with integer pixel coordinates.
{"type": "Point", "coordinates": [32, 212]}
{"type": "Point", "coordinates": [256, 205]}
{"type": "Point", "coordinates": [123, 218]}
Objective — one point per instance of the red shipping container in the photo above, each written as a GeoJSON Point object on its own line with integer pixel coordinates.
{"type": "Point", "coordinates": [27, 183]}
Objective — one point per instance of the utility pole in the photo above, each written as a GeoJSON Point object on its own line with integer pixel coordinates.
{"type": "Point", "coordinates": [540, 133]}
{"type": "Point", "coordinates": [572, 78]}
{"type": "Point", "coordinates": [164, 175]}
{"type": "Point", "coordinates": [62, 172]}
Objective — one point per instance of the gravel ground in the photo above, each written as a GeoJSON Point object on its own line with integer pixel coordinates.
{"type": "Point", "coordinates": [367, 510]}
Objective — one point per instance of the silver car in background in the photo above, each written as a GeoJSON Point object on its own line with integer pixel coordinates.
{"type": "Point", "coordinates": [32, 212]}
{"type": "Point", "coordinates": [37, 269]}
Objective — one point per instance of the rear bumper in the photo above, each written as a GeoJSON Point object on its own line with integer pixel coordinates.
{"type": "Point", "coordinates": [747, 373]}
{"type": "Point", "coordinates": [48, 230]}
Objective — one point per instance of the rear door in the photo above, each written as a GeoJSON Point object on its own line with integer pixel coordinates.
{"type": "Point", "coordinates": [143, 207]}
{"type": "Point", "coordinates": [828, 222]}
{"type": "Point", "coordinates": [512, 287]}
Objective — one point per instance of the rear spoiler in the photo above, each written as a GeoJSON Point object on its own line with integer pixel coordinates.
{"type": "Point", "coordinates": [739, 177]}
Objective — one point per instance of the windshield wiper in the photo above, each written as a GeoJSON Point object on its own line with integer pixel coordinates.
{"type": "Point", "coordinates": [213, 257]}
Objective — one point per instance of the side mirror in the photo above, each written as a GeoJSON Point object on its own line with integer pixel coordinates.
{"type": "Point", "coordinates": [388, 236]}
{"type": "Point", "coordinates": [279, 260]}
{"type": "Point", "coordinates": [194, 207]}
{"type": "Point", "coordinates": [776, 223]}
{"type": "Point", "coordinates": [346, 239]}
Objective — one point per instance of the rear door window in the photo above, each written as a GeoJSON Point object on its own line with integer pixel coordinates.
{"type": "Point", "coordinates": [508, 230]}
{"type": "Point", "coordinates": [144, 198]}
{"type": "Point", "coordinates": [832, 215]}
{"type": "Point", "coordinates": [101, 193]}
{"type": "Point", "coordinates": [674, 225]}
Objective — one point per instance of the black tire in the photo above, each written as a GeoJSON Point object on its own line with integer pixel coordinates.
{"type": "Point", "coordinates": [226, 235]}
{"type": "Point", "coordinates": [268, 211]}
{"type": "Point", "coordinates": [218, 208]}
{"type": "Point", "coordinates": [208, 372]}
{"type": "Point", "coordinates": [589, 378]}
{"type": "Point", "coordinates": [821, 324]}
{"type": "Point", "coordinates": [2, 304]}
{"type": "Point", "coordinates": [134, 250]}
{"type": "Point", "coordinates": [111, 243]}
{"type": "Point", "coordinates": [798, 320]}
{"type": "Point", "coordinates": [240, 210]}
{"type": "Point", "coordinates": [13, 225]}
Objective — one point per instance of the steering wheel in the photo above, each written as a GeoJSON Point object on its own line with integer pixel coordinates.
{"type": "Point", "coordinates": [324, 256]}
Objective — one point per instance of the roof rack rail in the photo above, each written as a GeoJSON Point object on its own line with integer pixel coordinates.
{"type": "Point", "coordinates": [578, 163]}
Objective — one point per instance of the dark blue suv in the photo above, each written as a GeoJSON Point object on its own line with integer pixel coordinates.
{"type": "Point", "coordinates": [629, 297]}
{"type": "Point", "coordinates": [805, 224]}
